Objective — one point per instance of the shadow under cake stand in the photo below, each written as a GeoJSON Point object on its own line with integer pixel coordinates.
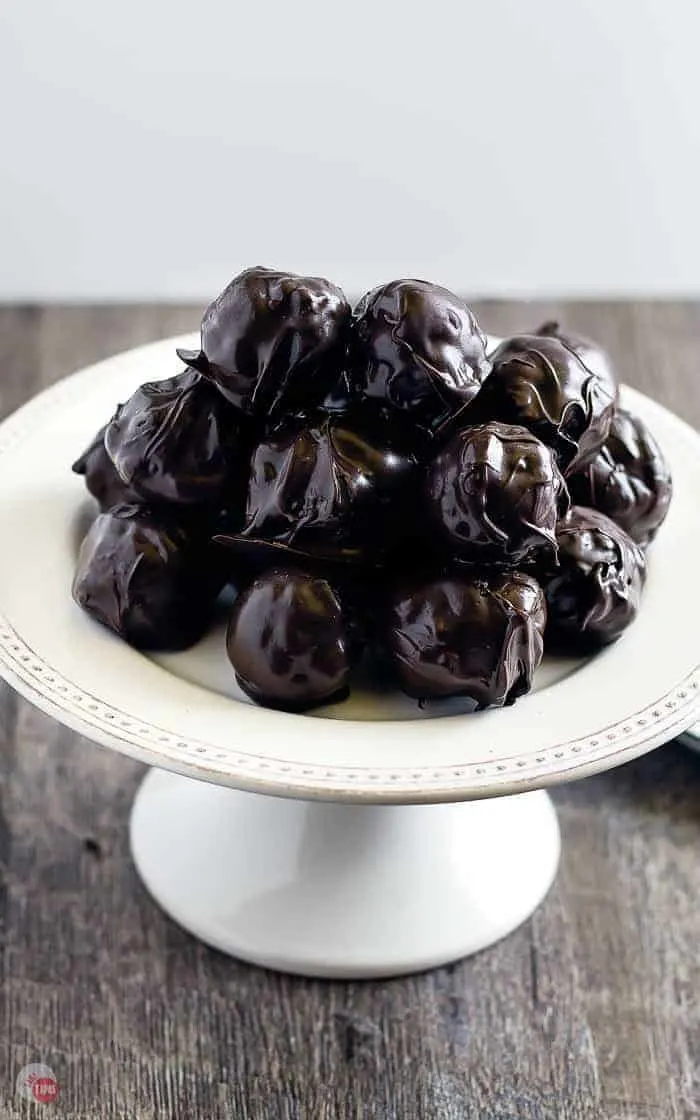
{"type": "Point", "coordinates": [372, 838]}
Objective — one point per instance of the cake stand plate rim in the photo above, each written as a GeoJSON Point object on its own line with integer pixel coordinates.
{"type": "Point", "coordinates": [655, 717]}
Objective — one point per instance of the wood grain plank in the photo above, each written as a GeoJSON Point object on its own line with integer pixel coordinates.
{"type": "Point", "coordinates": [589, 1011]}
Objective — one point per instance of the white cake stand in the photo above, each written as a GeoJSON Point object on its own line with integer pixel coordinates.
{"type": "Point", "coordinates": [371, 838]}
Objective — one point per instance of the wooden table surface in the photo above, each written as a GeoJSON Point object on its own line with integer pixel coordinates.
{"type": "Point", "coordinates": [591, 1009]}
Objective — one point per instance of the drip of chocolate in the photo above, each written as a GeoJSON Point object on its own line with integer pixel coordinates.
{"type": "Point", "coordinates": [100, 474]}
{"type": "Point", "coordinates": [591, 353]}
{"type": "Point", "coordinates": [179, 441]}
{"type": "Point", "coordinates": [273, 341]}
{"type": "Point", "coordinates": [153, 582]}
{"type": "Point", "coordinates": [495, 495]}
{"type": "Point", "coordinates": [328, 490]}
{"type": "Point", "coordinates": [288, 643]}
{"type": "Point", "coordinates": [416, 349]}
{"type": "Point", "coordinates": [481, 638]}
{"type": "Point", "coordinates": [595, 593]}
{"type": "Point", "coordinates": [629, 480]}
{"type": "Point", "coordinates": [544, 385]}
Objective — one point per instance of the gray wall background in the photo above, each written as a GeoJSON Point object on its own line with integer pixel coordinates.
{"type": "Point", "coordinates": [150, 149]}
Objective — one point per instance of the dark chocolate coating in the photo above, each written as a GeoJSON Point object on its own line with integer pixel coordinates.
{"type": "Point", "coordinates": [101, 478]}
{"type": "Point", "coordinates": [481, 638]}
{"type": "Point", "coordinates": [327, 490]}
{"type": "Point", "coordinates": [287, 641]}
{"type": "Point", "coordinates": [179, 441]}
{"type": "Point", "coordinates": [591, 353]}
{"type": "Point", "coordinates": [149, 580]}
{"type": "Point", "coordinates": [273, 341]}
{"type": "Point", "coordinates": [416, 349]}
{"type": "Point", "coordinates": [595, 593]}
{"type": "Point", "coordinates": [629, 480]}
{"type": "Point", "coordinates": [543, 384]}
{"type": "Point", "coordinates": [495, 494]}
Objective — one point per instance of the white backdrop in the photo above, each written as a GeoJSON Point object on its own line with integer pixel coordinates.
{"type": "Point", "coordinates": [150, 149]}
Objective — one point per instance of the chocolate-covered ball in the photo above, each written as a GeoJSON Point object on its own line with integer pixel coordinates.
{"type": "Point", "coordinates": [287, 641]}
{"type": "Point", "coordinates": [495, 494]}
{"type": "Point", "coordinates": [543, 384]}
{"type": "Point", "coordinates": [416, 349]}
{"type": "Point", "coordinates": [591, 353]}
{"type": "Point", "coordinates": [596, 591]}
{"type": "Point", "coordinates": [481, 638]}
{"type": "Point", "coordinates": [273, 341]}
{"type": "Point", "coordinates": [151, 581]}
{"type": "Point", "coordinates": [179, 441]}
{"type": "Point", "coordinates": [629, 479]}
{"type": "Point", "coordinates": [328, 490]}
{"type": "Point", "coordinates": [100, 474]}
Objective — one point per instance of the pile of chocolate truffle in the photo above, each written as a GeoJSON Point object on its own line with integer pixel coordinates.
{"type": "Point", "coordinates": [375, 487]}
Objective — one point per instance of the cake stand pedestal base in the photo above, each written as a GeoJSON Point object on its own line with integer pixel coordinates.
{"type": "Point", "coordinates": [341, 890]}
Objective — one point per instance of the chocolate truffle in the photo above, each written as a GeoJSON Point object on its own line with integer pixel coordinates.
{"type": "Point", "coordinates": [629, 479]}
{"type": "Point", "coordinates": [544, 385]}
{"type": "Point", "coordinates": [591, 354]}
{"type": "Point", "coordinates": [287, 641]}
{"type": "Point", "coordinates": [416, 349]}
{"type": "Point", "coordinates": [480, 638]}
{"type": "Point", "coordinates": [273, 341]}
{"type": "Point", "coordinates": [494, 494]}
{"type": "Point", "coordinates": [101, 478]}
{"type": "Point", "coordinates": [329, 490]}
{"type": "Point", "coordinates": [149, 580]}
{"type": "Point", "coordinates": [179, 441]}
{"type": "Point", "coordinates": [596, 591]}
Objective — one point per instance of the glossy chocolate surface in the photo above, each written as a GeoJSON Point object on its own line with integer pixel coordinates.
{"type": "Point", "coordinates": [591, 353]}
{"type": "Point", "coordinates": [179, 441]}
{"type": "Point", "coordinates": [543, 384]}
{"type": "Point", "coordinates": [481, 638]}
{"type": "Point", "coordinates": [273, 341]}
{"type": "Point", "coordinates": [100, 474]}
{"type": "Point", "coordinates": [287, 641]}
{"type": "Point", "coordinates": [416, 348]}
{"type": "Point", "coordinates": [596, 592]}
{"type": "Point", "coordinates": [495, 495]}
{"type": "Point", "coordinates": [385, 495]}
{"type": "Point", "coordinates": [629, 479]}
{"type": "Point", "coordinates": [149, 580]}
{"type": "Point", "coordinates": [328, 490]}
